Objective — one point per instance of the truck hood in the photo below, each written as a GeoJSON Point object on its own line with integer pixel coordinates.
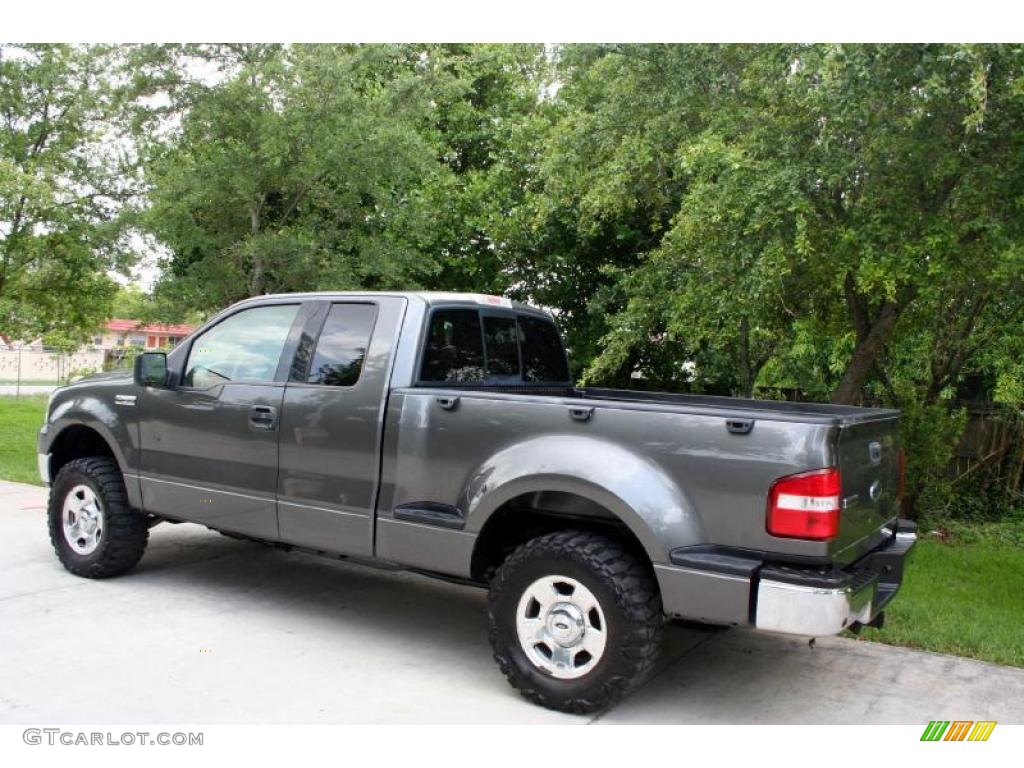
{"type": "Point", "coordinates": [121, 375]}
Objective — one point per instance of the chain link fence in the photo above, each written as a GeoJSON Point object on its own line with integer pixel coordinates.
{"type": "Point", "coordinates": [34, 370]}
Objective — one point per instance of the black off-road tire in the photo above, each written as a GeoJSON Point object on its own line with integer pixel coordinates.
{"type": "Point", "coordinates": [123, 537]}
{"type": "Point", "coordinates": [627, 592]}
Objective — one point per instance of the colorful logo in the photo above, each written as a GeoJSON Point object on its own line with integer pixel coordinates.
{"type": "Point", "coordinates": [958, 730]}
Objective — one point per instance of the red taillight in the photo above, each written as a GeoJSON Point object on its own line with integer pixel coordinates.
{"type": "Point", "coordinates": [805, 506]}
{"type": "Point", "coordinates": [903, 475]}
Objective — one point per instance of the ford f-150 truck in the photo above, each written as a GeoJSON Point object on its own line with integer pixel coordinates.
{"type": "Point", "coordinates": [442, 433]}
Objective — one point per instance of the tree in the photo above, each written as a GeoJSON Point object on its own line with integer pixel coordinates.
{"type": "Point", "coordinates": [924, 161]}
{"type": "Point", "coordinates": [302, 169]}
{"type": "Point", "coordinates": [808, 201]}
{"type": "Point", "coordinates": [338, 166]}
{"type": "Point", "coordinates": [605, 192]}
{"type": "Point", "coordinates": [840, 222]}
{"type": "Point", "coordinates": [487, 122]}
{"type": "Point", "coordinates": [61, 189]}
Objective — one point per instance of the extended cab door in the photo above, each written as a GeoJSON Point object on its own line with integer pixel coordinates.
{"type": "Point", "coordinates": [209, 444]}
{"type": "Point", "coordinates": [332, 424]}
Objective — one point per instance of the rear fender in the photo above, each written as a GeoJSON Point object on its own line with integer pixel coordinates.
{"type": "Point", "coordinates": [632, 488]}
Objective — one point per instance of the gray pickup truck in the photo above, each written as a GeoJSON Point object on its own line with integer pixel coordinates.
{"type": "Point", "coordinates": [441, 433]}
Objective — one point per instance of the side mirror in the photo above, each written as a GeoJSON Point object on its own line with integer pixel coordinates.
{"type": "Point", "coordinates": [151, 369]}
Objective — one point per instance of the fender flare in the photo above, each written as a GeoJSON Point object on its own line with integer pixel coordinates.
{"type": "Point", "coordinates": [95, 413]}
{"type": "Point", "coordinates": [629, 486]}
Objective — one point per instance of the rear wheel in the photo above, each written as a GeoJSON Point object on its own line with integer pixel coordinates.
{"type": "Point", "coordinates": [575, 621]}
{"type": "Point", "coordinates": [93, 530]}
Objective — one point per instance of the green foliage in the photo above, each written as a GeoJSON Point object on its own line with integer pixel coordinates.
{"type": "Point", "coordinates": [61, 189]}
{"type": "Point", "coordinates": [315, 167]}
{"type": "Point", "coordinates": [980, 500]}
{"type": "Point", "coordinates": [1008, 532]}
{"type": "Point", "coordinates": [122, 358]}
{"type": "Point", "coordinates": [842, 197]}
{"type": "Point", "coordinates": [64, 341]}
{"type": "Point", "coordinates": [930, 433]}
{"type": "Point", "coordinates": [81, 373]}
{"type": "Point", "coordinates": [132, 303]}
{"type": "Point", "coordinates": [286, 176]}
{"type": "Point", "coordinates": [20, 418]}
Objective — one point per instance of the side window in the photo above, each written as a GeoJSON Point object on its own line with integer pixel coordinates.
{"type": "Point", "coordinates": [245, 347]}
{"type": "Point", "coordinates": [342, 346]}
{"type": "Point", "coordinates": [543, 354]}
{"type": "Point", "coordinates": [502, 346]}
{"type": "Point", "coordinates": [454, 350]}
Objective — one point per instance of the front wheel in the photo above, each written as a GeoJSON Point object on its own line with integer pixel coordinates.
{"type": "Point", "coordinates": [575, 621]}
{"type": "Point", "coordinates": [94, 531]}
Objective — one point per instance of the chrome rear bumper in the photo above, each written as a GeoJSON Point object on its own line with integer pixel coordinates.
{"type": "Point", "coordinates": [799, 610]}
{"type": "Point", "coordinates": [808, 602]}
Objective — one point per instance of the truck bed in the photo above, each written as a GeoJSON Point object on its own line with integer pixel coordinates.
{"type": "Point", "coordinates": [776, 410]}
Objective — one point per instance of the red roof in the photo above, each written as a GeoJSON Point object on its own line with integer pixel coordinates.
{"type": "Point", "coordinates": [116, 324]}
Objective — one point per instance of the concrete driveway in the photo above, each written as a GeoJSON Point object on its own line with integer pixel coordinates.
{"type": "Point", "coordinates": [212, 630]}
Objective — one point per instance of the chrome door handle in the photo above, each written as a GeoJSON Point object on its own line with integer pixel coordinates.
{"type": "Point", "coordinates": [581, 414]}
{"type": "Point", "coordinates": [262, 417]}
{"type": "Point", "coordinates": [739, 426]}
{"type": "Point", "coordinates": [447, 403]}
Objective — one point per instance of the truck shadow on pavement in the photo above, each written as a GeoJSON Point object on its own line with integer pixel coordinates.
{"type": "Point", "coordinates": [360, 616]}
{"type": "Point", "coordinates": [385, 607]}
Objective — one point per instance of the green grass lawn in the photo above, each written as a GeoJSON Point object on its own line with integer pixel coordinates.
{"type": "Point", "coordinates": [964, 596]}
{"type": "Point", "coordinates": [20, 420]}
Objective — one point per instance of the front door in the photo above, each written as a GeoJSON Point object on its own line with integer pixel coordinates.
{"type": "Point", "coordinates": [209, 445]}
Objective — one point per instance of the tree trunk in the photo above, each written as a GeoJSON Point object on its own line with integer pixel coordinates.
{"type": "Point", "coordinates": [747, 381]}
{"type": "Point", "coordinates": [865, 355]}
{"type": "Point", "coordinates": [256, 277]}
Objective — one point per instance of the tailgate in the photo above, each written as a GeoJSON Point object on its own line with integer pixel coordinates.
{"type": "Point", "coordinates": [869, 465]}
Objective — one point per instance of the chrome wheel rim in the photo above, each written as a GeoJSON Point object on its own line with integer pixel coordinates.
{"type": "Point", "coordinates": [82, 515]}
{"type": "Point", "coordinates": [561, 627]}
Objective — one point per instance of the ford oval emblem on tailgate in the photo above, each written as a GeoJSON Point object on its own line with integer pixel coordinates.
{"type": "Point", "coordinates": [875, 491]}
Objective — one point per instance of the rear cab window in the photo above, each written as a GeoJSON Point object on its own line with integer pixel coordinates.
{"type": "Point", "coordinates": [342, 345]}
{"type": "Point", "coordinates": [543, 353]}
{"type": "Point", "coordinates": [501, 347]}
{"type": "Point", "coordinates": [486, 346]}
